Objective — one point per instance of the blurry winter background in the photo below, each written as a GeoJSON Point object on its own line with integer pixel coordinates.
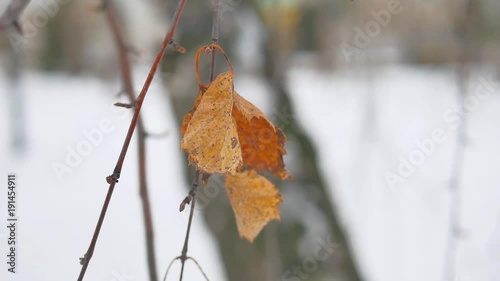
{"type": "Point", "coordinates": [392, 110]}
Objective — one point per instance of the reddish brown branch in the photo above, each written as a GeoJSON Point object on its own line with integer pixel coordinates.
{"type": "Point", "coordinates": [141, 136]}
{"type": "Point", "coordinates": [113, 179]}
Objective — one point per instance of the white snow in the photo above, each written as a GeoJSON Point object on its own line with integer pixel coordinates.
{"type": "Point", "coordinates": [398, 233]}
{"type": "Point", "coordinates": [57, 218]}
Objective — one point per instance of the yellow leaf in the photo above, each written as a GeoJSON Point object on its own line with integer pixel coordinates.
{"type": "Point", "coordinates": [261, 144]}
{"type": "Point", "coordinates": [254, 200]}
{"type": "Point", "coordinates": [210, 136]}
{"type": "Point", "coordinates": [189, 115]}
{"type": "Point", "coordinates": [224, 133]}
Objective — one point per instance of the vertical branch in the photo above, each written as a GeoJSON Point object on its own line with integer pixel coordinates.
{"type": "Point", "coordinates": [215, 36]}
{"type": "Point", "coordinates": [215, 25]}
{"type": "Point", "coordinates": [454, 183]}
{"type": "Point", "coordinates": [16, 99]}
{"type": "Point", "coordinates": [113, 178]}
{"type": "Point", "coordinates": [192, 192]}
{"type": "Point", "coordinates": [141, 136]}
{"type": "Point", "coordinates": [10, 19]}
{"type": "Point", "coordinates": [463, 74]}
{"type": "Point", "coordinates": [192, 198]}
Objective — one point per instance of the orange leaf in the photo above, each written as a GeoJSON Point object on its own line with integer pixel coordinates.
{"type": "Point", "coordinates": [210, 136]}
{"type": "Point", "coordinates": [224, 133]}
{"type": "Point", "coordinates": [262, 143]}
{"type": "Point", "coordinates": [254, 200]}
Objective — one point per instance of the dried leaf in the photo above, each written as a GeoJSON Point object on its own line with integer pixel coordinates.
{"type": "Point", "coordinates": [189, 115]}
{"type": "Point", "coordinates": [262, 143]}
{"type": "Point", "coordinates": [210, 137]}
{"type": "Point", "coordinates": [224, 133]}
{"type": "Point", "coordinates": [254, 200]}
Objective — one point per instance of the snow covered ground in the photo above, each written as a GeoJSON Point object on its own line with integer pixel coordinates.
{"type": "Point", "coordinates": [57, 214]}
{"type": "Point", "coordinates": [364, 129]}
{"type": "Point", "coordinates": [398, 220]}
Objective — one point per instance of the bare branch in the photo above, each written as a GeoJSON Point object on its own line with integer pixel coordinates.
{"type": "Point", "coordinates": [192, 193]}
{"type": "Point", "coordinates": [189, 258]}
{"type": "Point", "coordinates": [126, 73]}
{"type": "Point", "coordinates": [199, 267]}
{"type": "Point", "coordinates": [10, 18]}
{"type": "Point", "coordinates": [215, 36]}
{"type": "Point", "coordinates": [169, 266]}
{"type": "Point", "coordinates": [113, 179]}
{"type": "Point", "coordinates": [462, 77]}
{"type": "Point", "coordinates": [126, 105]}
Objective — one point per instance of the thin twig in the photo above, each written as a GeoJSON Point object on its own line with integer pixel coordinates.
{"type": "Point", "coordinates": [455, 206]}
{"type": "Point", "coordinates": [113, 179]}
{"type": "Point", "coordinates": [463, 75]}
{"type": "Point", "coordinates": [199, 267]}
{"type": "Point", "coordinates": [216, 18]}
{"type": "Point", "coordinates": [141, 136]}
{"type": "Point", "coordinates": [192, 193]}
{"type": "Point", "coordinates": [188, 258]}
{"type": "Point", "coordinates": [192, 199]}
{"type": "Point", "coordinates": [125, 105]}
{"type": "Point", "coordinates": [169, 266]}
{"type": "Point", "coordinates": [215, 37]}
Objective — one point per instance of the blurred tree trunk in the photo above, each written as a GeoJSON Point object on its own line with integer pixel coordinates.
{"type": "Point", "coordinates": [341, 266]}
{"type": "Point", "coordinates": [468, 57]}
{"type": "Point", "coordinates": [16, 100]}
